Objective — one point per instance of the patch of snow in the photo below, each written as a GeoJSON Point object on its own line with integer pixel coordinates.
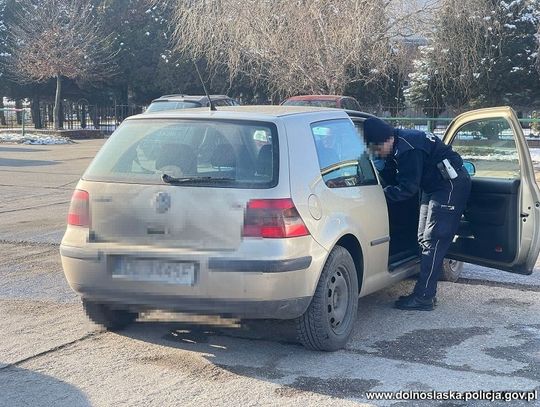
{"type": "Point", "coordinates": [33, 139]}
{"type": "Point", "coordinates": [535, 155]}
{"type": "Point", "coordinates": [491, 157]}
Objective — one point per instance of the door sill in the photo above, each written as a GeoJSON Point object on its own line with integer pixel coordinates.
{"type": "Point", "coordinates": [407, 261]}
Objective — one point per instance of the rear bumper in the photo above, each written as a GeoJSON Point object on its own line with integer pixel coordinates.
{"type": "Point", "coordinates": [214, 263]}
{"type": "Point", "coordinates": [280, 286]}
{"type": "Point", "coordinates": [276, 309]}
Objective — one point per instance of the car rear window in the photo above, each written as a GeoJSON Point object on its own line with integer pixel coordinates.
{"type": "Point", "coordinates": [217, 153]}
{"type": "Point", "coordinates": [171, 105]}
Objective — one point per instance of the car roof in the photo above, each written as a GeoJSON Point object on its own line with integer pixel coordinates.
{"type": "Point", "coordinates": [358, 114]}
{"type": "Point", "coordinates": [189, 98]}
{"type": "Point", "coordinates": [254, 112]}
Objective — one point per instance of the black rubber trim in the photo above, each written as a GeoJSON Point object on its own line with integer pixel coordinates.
{"type": "Point", "coordinates": [273, 309]}
{"type": "Point", "coordinates": [264, 266]}
{"type": "Point", "coordinates": [78, 253]}
{"type": "Point", "coordinates": [380, 241]}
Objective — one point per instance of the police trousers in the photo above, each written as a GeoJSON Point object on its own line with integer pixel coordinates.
{"type": "Point", "coordinates": [440, 214]}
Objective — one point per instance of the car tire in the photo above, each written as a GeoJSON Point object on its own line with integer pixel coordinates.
{"type": "Point", "coordinates": [328, 322]}
{"type": "Point", "coordinates": [110, 318]}
{"type": "Point", "coordinates": [451, 270]}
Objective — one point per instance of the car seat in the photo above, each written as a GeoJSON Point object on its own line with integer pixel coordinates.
{"type": "Point", "coordinates": [178, 155]}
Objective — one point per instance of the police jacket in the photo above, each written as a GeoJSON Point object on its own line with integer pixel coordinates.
{"type": "Point", "coordinates": [415, 157]}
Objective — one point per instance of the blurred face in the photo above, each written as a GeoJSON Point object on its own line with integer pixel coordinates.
{"type": "Point", "coordinates": [382, 150]}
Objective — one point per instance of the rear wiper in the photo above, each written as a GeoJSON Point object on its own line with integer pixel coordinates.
{"type": "Point", "coordinates": [173, 180]}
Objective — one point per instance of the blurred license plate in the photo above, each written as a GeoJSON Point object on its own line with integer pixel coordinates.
{"type": "Point", "coordinates": [174, 272]}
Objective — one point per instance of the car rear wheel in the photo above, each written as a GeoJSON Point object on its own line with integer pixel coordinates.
{"type": "Point", "coordinates": [110, 318]}
{"type": "Point", "coordinates": [451, 270]}
{"type": "Point", "coordinates": [328, 322]}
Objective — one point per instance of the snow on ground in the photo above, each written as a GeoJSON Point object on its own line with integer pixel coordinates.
{"type": "Point", "coordinates": [30, 138]}
{"type": "Point", "coordinates": [535, 156]}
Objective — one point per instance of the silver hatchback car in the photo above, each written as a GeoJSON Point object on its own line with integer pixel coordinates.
{"type": "Point", "coordinates": [270, 212]}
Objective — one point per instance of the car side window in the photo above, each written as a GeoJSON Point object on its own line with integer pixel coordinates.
{"type": "Point", "coordinates": [342, 154]}
{"type": "Point", "coordinates": [489, 144]}
{"type": "Point", "coordinates": [221, 102]}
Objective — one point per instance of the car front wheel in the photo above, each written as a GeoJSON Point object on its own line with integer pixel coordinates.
{"type": "Point", "coordinates": [328, 322]}
{"type": "Point", "coordinates": [110, 318]}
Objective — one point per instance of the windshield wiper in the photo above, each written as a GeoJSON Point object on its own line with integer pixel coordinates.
{"type": "Point", "coordinates": [173, 180]}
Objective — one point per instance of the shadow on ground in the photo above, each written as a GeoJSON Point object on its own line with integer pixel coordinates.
{"type": "Point", "coordinates": [21, 150]}
{"type": "Point", "coordinates": [13, 162]}
{"type": "Point", "coordinates": [21, 387]}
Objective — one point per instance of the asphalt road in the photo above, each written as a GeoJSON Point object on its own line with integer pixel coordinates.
{"type": "Point", "coordinates": [484, 334]}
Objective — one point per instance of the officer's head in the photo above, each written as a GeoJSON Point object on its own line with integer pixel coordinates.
{"type": "Point", "coordinates": [379, 136]}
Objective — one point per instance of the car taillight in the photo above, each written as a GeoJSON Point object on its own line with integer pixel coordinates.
{"type": "Point", "coordinates": [273, 218]}
{"type": "Point", "coordinates": [79, 210]}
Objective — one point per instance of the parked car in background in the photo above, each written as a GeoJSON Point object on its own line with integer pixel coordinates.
{"type": "Point", "coordinates": [173, 102]}
{"type": "Point", "coordinates": [275, 212]}
{"type": "Point", "coordinates": [339, 102]}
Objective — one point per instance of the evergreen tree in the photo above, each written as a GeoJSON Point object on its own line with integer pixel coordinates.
{"type": "Point", "coordinates": [481, 55]}
{"type": "Point", "coordinates": [508, 75]}
{"type": "Point", "coordinates": [149, 67]}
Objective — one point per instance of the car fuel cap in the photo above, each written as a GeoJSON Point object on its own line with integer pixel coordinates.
{"type": "Point", "coordinates": [314, 205]}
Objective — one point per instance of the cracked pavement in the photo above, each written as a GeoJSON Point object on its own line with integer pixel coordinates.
{"type": "Point", "coordinates": [484, 334]}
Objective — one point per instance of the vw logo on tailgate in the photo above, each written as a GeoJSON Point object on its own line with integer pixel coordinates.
{"type": "Point", "coordinates": [162, 202]}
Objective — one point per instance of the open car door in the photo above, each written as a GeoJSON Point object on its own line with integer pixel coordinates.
{"type": "Point", "coordinates": [501, 224]}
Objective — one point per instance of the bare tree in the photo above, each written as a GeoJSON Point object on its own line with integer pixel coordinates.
{"type": "Point", "coordinates": [295, 45]}
{"type": "Point", "coordinates": [59, 39]}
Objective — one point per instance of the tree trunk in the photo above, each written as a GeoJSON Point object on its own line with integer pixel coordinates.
{"type": "Point", "coordinates": [57, 101]}
{"type": "Point", "coordinates": [2, 115]}
{"type": "Point", "coordinates": [83, 116]}
{"type": "Point", "coordinates": [130, 96]}
{"type": "Point", "coordinates": [18, 105]}
{"type": "Point", "coordinates": [36, 112]}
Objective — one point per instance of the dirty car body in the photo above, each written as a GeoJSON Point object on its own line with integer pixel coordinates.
{"type": "Point", "coordinates": [252, 212]}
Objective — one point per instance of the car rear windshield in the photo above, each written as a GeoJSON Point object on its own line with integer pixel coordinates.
{"type": "Point", "coordinates": [315, 103]}
{"type": "Point", "coordinates": [217, 153]}
{"type": "Point", "coordinates": [171, 105]}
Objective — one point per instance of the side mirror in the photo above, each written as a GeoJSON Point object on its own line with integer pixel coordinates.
{"type": "Point", "coordinates": [469, 166]}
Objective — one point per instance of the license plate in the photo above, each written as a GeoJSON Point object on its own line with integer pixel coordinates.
{"type": "Point", "coordinates": [152, 270]}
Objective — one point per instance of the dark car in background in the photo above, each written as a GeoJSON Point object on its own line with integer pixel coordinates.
{"type": "Point", "coordinates": [337, 101]}
{"type": "Point", "coordinates": [173, 102]}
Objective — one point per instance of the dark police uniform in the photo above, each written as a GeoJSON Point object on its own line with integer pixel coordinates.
{"type": "Point", "coordinates": [415, 157]}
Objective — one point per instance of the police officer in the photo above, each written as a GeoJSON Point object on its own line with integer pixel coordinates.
{"type": "Point", "coordinates": [422, 162]}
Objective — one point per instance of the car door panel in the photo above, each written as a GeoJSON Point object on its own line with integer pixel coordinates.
{"type": "Point", "coordinates": [501, 224]}
{"type": "Point", "coordinates": [489, 227]}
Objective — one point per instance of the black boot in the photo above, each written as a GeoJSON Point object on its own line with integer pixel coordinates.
{"type": "Point", "coordinates": [414, 302]}
{"type": "Point", "coordinates": [408, 297]}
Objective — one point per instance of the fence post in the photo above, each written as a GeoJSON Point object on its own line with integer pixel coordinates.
{"type": "Point", "coordinates": [23, 120]}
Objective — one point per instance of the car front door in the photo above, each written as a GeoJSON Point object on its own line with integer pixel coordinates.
{"type": "Point", "coordinates": [501, 224]}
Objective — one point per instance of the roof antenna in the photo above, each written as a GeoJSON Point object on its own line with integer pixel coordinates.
{"type": "Point", "coordinates": [212, 107]}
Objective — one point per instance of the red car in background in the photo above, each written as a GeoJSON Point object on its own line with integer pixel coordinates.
{"type": "Point", "coordinates": [337, 101]}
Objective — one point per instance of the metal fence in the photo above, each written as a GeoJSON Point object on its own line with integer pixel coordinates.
{"type": "Point", "coordinates": [73, 116]}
